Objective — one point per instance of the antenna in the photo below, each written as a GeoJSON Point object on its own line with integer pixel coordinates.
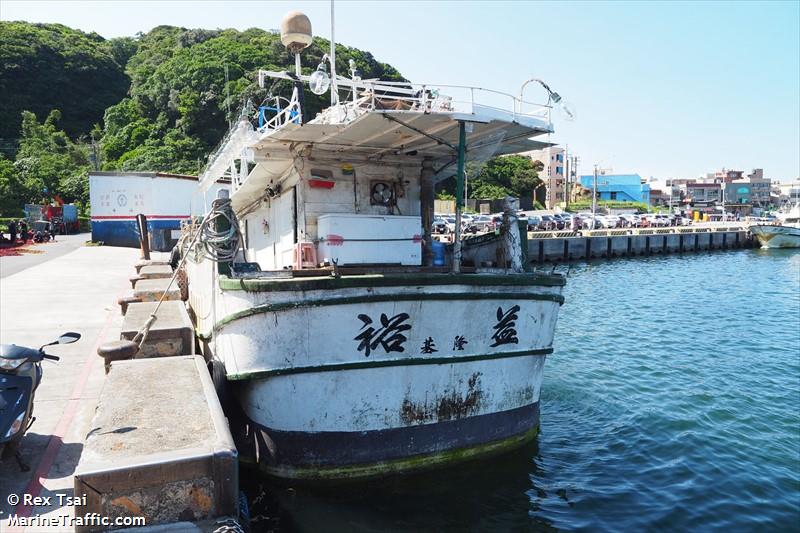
{"type": "Point", "coordinates": [334, 86]}
{"type": "Point", "coordinates": [228, 98]}
{"type": "Point", "coordinates": [296, 37]}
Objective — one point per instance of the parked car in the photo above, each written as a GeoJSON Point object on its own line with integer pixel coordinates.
{"type": "Point", "coordinates": [561, 222]}
{"type": "Point", "coordinates": [439, 225]}
{"type": "Point", "coordinates": [649, 220]}
{"type": "Point", "coordinates": [590, 221]}
{"type": "Point", "coordinates": [534, 221]}
{"type": "Point", "coordinates": [451, 224]}
{"type": "Point", "coordinates": [613, 221]}
{"type": "Point", "coordinates": [548, 223]}
{"type": "Point", "coordinates": [483, 223]}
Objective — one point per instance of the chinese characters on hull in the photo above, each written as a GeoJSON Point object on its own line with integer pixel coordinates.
{"type": "Point", "coordinates": [505, 329]}
{"type": "Point", "coordinates": [390, 335]}
{"type": "Point", "coordinates": [428, 346]}
{"type": "Point", "coordinates": [459, 342]}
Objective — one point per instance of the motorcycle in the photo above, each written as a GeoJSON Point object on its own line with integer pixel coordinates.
{"type": "Point", "coordinates": [40, 237]}
{"type": "Point", "coordinates": [20, 375]}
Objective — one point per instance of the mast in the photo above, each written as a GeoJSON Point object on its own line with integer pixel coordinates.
{"type": "Point", "coordinates": [462, 149]}
{"type": "Point", "coordinates": [332, 55]}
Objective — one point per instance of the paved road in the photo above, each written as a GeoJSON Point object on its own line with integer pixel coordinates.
{"type": "Point", "coordinates": [11, 264]}
{"type": "Point", "coordinates": [80, 295]}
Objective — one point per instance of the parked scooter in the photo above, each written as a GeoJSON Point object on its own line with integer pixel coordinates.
{"type": "Point", "coordinates": [20, 375]}
{"type": "Point", "coordinates": [41, 236]}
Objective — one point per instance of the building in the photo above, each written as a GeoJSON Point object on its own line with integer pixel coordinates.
{"type": "Point", "coordinates": [789, 193]}
{"type": "Point", "coordinates": [703, 195]}
{"type": "Point", "coordinates": [658, 198]}
{"type": "Point", "coordinates": [739, 196]}
{"type": "Point", "coordinates": [165, 199]}
{"type": "Point", "coordinates": [760, 187]}
{"type": "Point", "coordinates": [553, 174]}
{"type": "Point", "coordinates": [619, 187]}
{"type": "Point", "coordinates": [726, 176]}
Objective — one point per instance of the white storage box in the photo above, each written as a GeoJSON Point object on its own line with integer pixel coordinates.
{"type": "Point", "coordinates": [369, 239]}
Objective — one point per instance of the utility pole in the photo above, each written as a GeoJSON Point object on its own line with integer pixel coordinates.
{"type": "Point", "coordinates": [669, 182]}
{"type": "Point", "coordinates": [566, 178]}
{"type": "Point", "coordinates": [574, 171]}
{"type": "Point", "coordinates": [594, 195]}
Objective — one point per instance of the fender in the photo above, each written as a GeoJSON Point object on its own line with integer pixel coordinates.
{"type": "Point", "coordinates": [15, 395]}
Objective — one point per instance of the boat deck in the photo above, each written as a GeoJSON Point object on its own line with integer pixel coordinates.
{"type": "Point", "coordinates": [353, 277]}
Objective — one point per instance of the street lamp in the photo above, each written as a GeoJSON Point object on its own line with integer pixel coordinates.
{"type": "Point", "coordinates": [567, 110]}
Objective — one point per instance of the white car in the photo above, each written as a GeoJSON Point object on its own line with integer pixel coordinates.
{"type": "Point", "coordinates": [613, 221]}
{"type": "Point", "coordinates": [589, 222]}
{"type": "Point", "coordinates": [483, 223]}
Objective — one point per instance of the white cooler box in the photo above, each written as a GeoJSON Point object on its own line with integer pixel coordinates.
{"type": "Point", "coordinates": [360, 239]}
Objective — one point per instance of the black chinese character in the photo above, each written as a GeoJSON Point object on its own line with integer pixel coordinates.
{"type": "Point", "coordinates": [389, 335]}
{"type": "Point", "coordinates": [459, 342]}
{"type": "Point", "coordinates": [428, 346]}
{"type": "Point", "coordinates": [505, 332]}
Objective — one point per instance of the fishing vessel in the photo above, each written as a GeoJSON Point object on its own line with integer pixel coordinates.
{"type": "Point", "coordinates": [784, 234]}
{"type": "Point", "coordinates": [314, 289]}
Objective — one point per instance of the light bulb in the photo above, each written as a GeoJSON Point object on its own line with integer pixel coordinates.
{"type": "Point", "coordinates": [319, 82]}
{"type": "Point", "coordinates": [567, 110]}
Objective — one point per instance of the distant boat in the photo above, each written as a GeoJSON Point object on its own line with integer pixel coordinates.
{"type": "Point", "coordinates": [784, 234]}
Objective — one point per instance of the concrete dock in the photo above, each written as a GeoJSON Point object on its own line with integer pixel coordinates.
{"type": "Point", "coordinates": [73, 291]}
{"type": "Point", "coordinates": [148, 442]}
{"type": "Point", "coordinates": [563, 246]}
{"type": "Point", "coordinates": [159, 448]}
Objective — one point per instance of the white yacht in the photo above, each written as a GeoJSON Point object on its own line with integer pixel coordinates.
{"type": "Point", "coordinates": [785, 233]}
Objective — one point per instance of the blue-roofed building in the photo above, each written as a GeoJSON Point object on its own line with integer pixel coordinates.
{"type": "Point", "coordinates": [619, 187]}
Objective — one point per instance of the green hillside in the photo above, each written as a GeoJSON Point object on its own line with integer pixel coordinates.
{"type": "Point", "coordinates": [160, 101]}
{"type": "Point", "coordinates": [50, 66]}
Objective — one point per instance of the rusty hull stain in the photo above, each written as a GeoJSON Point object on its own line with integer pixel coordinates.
{"type": "Point", "coordinates": [451, 406]}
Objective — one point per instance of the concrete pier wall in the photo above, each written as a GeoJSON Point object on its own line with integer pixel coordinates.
{"type": "Point", "coordinates": [556, 249]}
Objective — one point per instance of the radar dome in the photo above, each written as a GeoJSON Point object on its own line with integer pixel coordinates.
{"type": "Point", "coordinates": [295, 31]}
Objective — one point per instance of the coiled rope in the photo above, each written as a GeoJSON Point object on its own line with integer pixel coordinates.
{"type": "Point", "coordinates": [219, 246]}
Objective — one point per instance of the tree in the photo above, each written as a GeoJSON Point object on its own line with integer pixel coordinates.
{"type": "Point", "coordinates": [12, 194]}
{"type": "Point", "coordinates": [180, 103]}
{"type": "Point", "coordinates": [48, 162]}
{"type": "Point", "coordinates": [512, 175]}
{"type": "Point", "coordinates": [50, 66]}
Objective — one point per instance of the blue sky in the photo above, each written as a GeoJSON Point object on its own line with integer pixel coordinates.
{"type": "Point", "coordinates": [664, 89]}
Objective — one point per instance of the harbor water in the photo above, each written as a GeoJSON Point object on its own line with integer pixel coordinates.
{"type": "Point", "coordinates": [670, 403]}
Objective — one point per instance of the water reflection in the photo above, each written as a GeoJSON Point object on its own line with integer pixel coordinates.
{"type": "Point", "coordinates": [496, 494]}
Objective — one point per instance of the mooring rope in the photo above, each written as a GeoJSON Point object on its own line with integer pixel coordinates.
{"type": "Point", "coordinates": [218, 246]}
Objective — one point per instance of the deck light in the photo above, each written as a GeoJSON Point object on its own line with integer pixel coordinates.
{"type": "Point", "coordinates": [567, 110]}
{"type": "Point", "coordinates": [319, 82]}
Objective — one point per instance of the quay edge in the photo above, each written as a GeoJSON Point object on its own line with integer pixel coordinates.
{"type": "Point", "coordinates": [562, 246]}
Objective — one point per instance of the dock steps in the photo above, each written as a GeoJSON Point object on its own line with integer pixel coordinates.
{"type": "Point", "coordinates": [171, 334]}
{"type": "Point", "coordinates": [150, 290]}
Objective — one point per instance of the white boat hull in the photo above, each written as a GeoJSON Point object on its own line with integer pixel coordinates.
{"type": "Point", "coordinates": [777, 236]}
{"type": "Point", "coordinates": [366, 377]}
